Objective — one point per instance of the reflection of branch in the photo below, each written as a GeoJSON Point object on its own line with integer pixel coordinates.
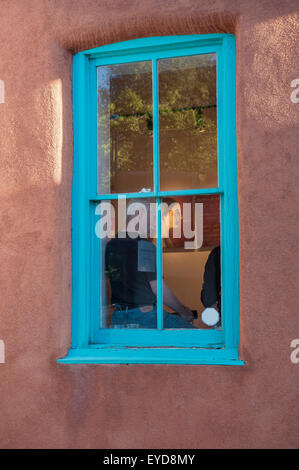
{"type": "Point", "coordinates": [149, 115]}
{"type": "Point", "coordinates": [163, 111]}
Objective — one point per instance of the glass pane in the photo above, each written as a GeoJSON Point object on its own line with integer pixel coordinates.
{"type": "Point", "coordinates": [125, 127]}
{"type": "Point", "coordinates": [127, 253]}
{"type": "Point", "coordinates": [191, 261]}
{"type": "Point", "coordinates": [188, 122]}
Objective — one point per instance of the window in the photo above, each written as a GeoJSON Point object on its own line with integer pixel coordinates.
{"type": "Point", "coordinates": [154, 198]}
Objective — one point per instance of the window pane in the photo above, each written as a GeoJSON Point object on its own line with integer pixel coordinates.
{"type": "Point", "coordinates": [125, 135]}
{"type": "Point", "coordinates": [128, 264]}
{"type": "Point", "coordinates": [188, 122]}
{"type": "Point", "coordinates": [191, 259]}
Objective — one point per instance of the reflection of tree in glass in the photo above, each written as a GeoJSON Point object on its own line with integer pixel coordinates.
{"type": "Point", "coordinates": [188, 118]}
{"type": "Point", "coordinates": [187, 115]}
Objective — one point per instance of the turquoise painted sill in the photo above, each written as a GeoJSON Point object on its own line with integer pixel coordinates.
{"type": "Point", "coordinates": [108, 354]}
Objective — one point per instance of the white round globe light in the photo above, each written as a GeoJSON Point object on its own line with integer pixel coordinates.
{"type": "Point", "coordinates": [210, 316]}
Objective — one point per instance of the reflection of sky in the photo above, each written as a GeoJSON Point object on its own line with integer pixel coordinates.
{"type": "Point", "coordinates": [104, 75]}
{"type": "Point", "coordinates": [108, 72]}
{"type": "Point", "coordinates": [187, 62]}
{"type": "Point", "coordinates": [130, 68]}
{"type": "Point", "coordinates": [107, 75]}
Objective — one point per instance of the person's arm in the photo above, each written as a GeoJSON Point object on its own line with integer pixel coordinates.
{"type": "Point", "coordinates": [209, 293]}
{"type": "Point", "coordinates": [171, 301]}
{"type": "Point", "coordinates": [109, 290]}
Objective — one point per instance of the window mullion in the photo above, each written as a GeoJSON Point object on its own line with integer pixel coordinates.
{"type": "Point", "coordinates": [156, 125]}
{"type": "Point", "coordinates": [156, 190]}
{"type": "Point", "coordinates": [159, 267]}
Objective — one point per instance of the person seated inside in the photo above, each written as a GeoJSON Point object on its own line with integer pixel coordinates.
{"type": "Point", "coordinates": [211, 288]}
{"type": "Point", "coordinates": [131, 270]}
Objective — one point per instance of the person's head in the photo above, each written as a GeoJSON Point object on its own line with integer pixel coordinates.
{"type": "Point", "coordinates": [171, 218]}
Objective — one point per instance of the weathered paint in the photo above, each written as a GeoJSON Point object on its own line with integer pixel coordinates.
{"type": "Point", "coordinates": [45, 404]}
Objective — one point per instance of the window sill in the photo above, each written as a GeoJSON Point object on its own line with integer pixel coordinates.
{"type": "Point", "coordinates": [108, 354]}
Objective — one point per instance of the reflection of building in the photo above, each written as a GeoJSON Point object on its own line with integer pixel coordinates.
{"type": "Point", "coordinates": [211, 224]}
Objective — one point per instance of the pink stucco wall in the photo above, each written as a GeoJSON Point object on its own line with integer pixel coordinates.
{"type": "Point", "coordinates": [43, 404]}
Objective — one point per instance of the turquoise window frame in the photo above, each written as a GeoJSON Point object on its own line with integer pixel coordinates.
{"type": "Point", "coordinates": [90, 344]}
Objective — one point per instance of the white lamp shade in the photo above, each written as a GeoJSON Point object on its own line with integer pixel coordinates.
{"type": "Point", "coordinates": [210, 316]}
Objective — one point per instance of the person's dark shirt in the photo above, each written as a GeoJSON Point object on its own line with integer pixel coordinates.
{"type": "Point", "coordinates": [130, 277]}
{"type": "Point", "coordinates": [211, 289]}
